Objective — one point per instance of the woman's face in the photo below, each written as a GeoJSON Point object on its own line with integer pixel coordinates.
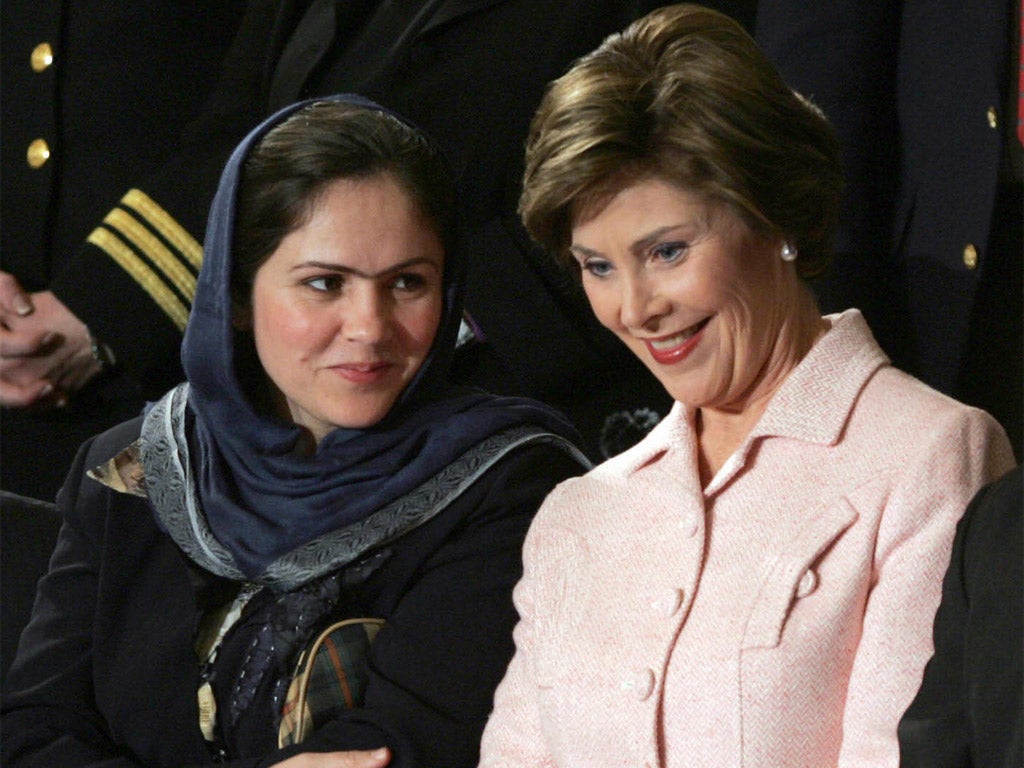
{"type": "Point", "coordinates": [345, 310]}
{"type": "Point", "coordinates": [690, 289]}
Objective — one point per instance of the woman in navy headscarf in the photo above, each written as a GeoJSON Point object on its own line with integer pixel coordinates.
{"type": "Point", "coordinates": [315, 467]}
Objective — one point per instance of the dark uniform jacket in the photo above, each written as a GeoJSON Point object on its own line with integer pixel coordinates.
{"type": "Point", "coordinates": [468, 72]}
{"type": "Point", "coordinates": [923, 95]}
{"type": "Point", "coordinates": [107, 674]}
{"type": "Point", "coordinates": [100, 91]}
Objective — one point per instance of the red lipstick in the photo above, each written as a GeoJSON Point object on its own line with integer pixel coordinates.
{"type": "Point", "coordinates": [668, 350]}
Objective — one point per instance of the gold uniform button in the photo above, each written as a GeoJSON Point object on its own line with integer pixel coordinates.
{"type": "Point", "coordinates": [42, 57]}
{"type": "Point", "coordinates": [993, 117]}
{"type": "Point", "coordinates": [38, 153]}
{"type": "Point", "coordinates": [970, 256]}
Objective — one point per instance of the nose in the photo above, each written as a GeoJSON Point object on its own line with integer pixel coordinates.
{"type": "Point", "coordinates": [641, 303]}
{"type": "Point", "coordinates": [367, 316]}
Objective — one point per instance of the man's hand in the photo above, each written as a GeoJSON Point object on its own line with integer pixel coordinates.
{"type": "Point", "coordinates": [45, 351]}
{"type": "Point", "coordinates": [13, 299]}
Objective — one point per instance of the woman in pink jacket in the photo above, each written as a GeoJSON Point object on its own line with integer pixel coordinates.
{"type": "Point", "coordinates": [754, 583]}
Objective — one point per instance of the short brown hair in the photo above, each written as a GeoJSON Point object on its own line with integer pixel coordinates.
{"type": "Point", "coordinates": [685, 95]}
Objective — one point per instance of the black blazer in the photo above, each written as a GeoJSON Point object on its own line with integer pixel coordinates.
{"type": "Point", "coordinates": [106, 674]}
{"type": "Point", "coordinates": [970, 708]}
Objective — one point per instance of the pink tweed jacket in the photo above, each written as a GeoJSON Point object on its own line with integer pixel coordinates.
{"type": "Point", "coordinates": [780, 617]}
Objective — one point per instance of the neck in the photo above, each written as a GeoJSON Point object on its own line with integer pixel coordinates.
{"type": "Point", "coordinates": [722, 429]}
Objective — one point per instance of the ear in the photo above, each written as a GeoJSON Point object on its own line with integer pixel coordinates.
{"type": "Point", "coordinates": [241, 317]}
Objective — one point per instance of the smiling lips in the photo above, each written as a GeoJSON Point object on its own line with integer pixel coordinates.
{"type": "Point", "coordinates": [678, 346]}
{"type": "Point", "coordinates": [363, 373]}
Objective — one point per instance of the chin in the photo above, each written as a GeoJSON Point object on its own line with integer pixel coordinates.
{"type": "Point", "coordinates": [360, 418]}
{"type": "Point", "coordinates": [685, 394]}
{"type": "Point", "coordinates": [352, 422]}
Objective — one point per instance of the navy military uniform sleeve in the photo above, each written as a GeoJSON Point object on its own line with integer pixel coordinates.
{"type": "Point", "coordinates": [95, 97]}
{"type": "Point", "coordinates": [145, 253]}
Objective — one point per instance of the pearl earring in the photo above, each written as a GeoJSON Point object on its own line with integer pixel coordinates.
{"type": "Point", "coordinates": [788, 252]}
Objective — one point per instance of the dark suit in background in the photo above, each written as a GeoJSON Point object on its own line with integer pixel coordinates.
{"type": "Point", "coordinates": [970, 708]}
{"type": "Point", "coordinates": [923, 96]}
{"type": "Point", "coordinates": [104, 88]}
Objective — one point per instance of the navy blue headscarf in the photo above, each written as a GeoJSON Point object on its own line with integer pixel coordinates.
{"type": "Point", "coordinates": [261, 495]}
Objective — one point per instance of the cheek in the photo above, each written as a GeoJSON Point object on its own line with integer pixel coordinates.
{"type": "Point", "coordinates": [280, 326]}
{"type": "Point", "coordinates": [749, 329]}
{"type": "Point", "coordinates": [746, 302]}
{"type": "Point", "coordinates": [419, 323]}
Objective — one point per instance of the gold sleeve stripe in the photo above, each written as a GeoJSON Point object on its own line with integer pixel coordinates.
{"type": "Point", "coordinates": [159, 254]}
{"type": "Point", "coordinates": [165, 224]}
{"type": "Point", "coordinates": [141, 272]}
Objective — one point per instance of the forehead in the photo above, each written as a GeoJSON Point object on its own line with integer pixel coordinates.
{"type": "Point", "coordinates": [372, 219]}
{"type": "Point", "coordinates": [380, 191]}
{"type": "Point", "coordinates": [640, 200]}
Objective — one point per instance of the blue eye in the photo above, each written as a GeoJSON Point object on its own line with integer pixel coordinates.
{"type": "Point", "coordinates": [670, 252]}
{"type": "Point", "coordinates": [597, 267]}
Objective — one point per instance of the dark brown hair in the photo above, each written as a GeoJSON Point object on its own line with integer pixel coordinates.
{"type": "Point", "coordinates": [288, 170]}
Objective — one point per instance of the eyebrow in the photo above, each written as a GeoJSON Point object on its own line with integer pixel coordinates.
{"type": "Point", "coordinates": [639, 245]}
{"type": "Point", "coordinates": [343, 269]}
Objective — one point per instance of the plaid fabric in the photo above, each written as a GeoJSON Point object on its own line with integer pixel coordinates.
{"type": "Point", "coordinates": [330, 676]}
